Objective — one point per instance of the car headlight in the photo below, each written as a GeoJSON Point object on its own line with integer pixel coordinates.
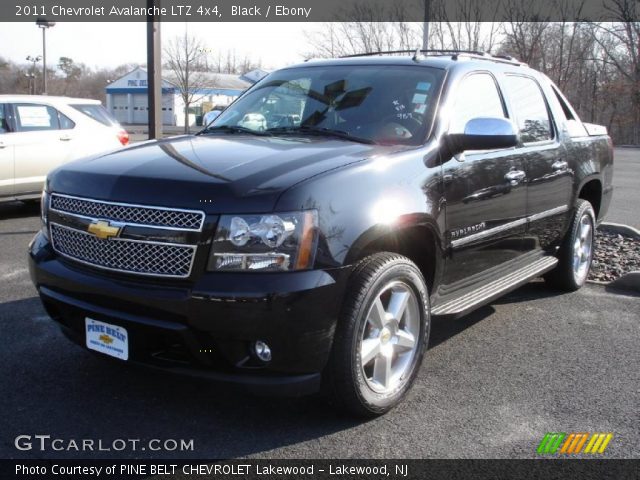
{"type": "Point", "coordinates": [270, 242]}
{"type": "Point", "coordinates": [44, 212]}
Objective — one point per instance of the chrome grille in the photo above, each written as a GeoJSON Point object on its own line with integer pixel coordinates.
{"type": "Point", "coordinates": [129, 256]}
{"type": "Point", "coordinates": [134, 214]}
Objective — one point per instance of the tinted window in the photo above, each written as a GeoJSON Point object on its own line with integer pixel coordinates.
{"type": "Point", "coordinates": [65, 122]}
{"type": "Point", "coordinates": [385, 104]}
{"type": "Point", "coordinates": [97, 113]}
{"type": "Point", "coordinates": [477, 96]}
{"type": "Point", "coordinates": [4, 120]}
{"type": "Point", "coordinates": [31, 117]}
{"type": "Point", "coordinates": [574, 125]}
{"type": "Point", "coordinates": [530, 109]}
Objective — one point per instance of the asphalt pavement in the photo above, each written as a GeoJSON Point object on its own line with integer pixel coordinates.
{"type": "Point", "coordinates": [625, 205]}
{"type": "Point", "coordinates": [492, 384]}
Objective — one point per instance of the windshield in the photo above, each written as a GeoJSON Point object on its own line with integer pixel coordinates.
{"type": "Point", "coordinates": [97, 112]}
{"type": "Point", "coordinates": [374, 103]}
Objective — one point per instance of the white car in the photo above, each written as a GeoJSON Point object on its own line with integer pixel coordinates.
{"type": "Point", "coordinates": [254, 121]}
{"type": "Point", "coordinates": [39, 133]}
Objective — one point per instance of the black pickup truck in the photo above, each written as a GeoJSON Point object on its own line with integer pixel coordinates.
{"type": "Point", "coordinates": [306, 239]}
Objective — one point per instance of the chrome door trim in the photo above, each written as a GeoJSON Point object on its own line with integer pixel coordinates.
{"type": "Point", "coordinates": [508, 226]}
{"type": "Point", "coordinates": [488, 233]}
{"type": "Point", "coordinates": [547, 213]}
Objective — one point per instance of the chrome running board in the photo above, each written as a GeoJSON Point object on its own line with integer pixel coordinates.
{"type": "Point", "coordinates": [495, 289]}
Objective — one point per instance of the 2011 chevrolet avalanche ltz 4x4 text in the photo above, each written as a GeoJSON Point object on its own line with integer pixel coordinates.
{"type": "Point", "coordinates": [310, 247]}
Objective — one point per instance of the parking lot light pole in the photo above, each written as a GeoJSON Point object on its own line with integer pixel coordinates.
{"type": "Point", "coordinates": [44, 24]}
{"type": "Point", "coordinates": [32, 81]}
{"type": "Point", "coordinates": [32, 75]}
{"type": "Point", "coordinates": [425, 31]}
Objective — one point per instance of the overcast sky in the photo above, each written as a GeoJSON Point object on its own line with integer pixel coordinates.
{"type": "Point", "coordinates": [112, 44]}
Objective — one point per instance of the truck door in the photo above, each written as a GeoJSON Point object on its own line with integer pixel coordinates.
{"type": "Point", "coordinates": [485, 192]}
{"type": "Point", "coordinates": [549, 178]}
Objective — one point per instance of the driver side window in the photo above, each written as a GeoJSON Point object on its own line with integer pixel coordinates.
{"type": "Point", "coordinates": [477, 96]}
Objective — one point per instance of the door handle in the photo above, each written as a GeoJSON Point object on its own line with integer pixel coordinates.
{"type": "Point", "coordinates": [2, 145]}
{"type": "Point", "coordinates": [65, 138]}
{"type": "Point", "coordinates": [559, 165]}
{"type": "Point", "coordinates": [515, 176]}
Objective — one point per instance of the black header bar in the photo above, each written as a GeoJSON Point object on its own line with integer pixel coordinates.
{"type": "Point", "coordinates": [319, 10]}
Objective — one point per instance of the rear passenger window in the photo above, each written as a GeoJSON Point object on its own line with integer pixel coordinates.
{"type": "Point", "coordinates": [4, 120]}
{"type": "Point", "coordinates": [530, 109]}
{"type": "Point", "coordinates": [573, 123]}
{"type": "Point", "coordinates": [477, 96]}
{"type": "Point", "coordinates": [65, 122]}
{"type": "Point", "coordinates": [32, 117]}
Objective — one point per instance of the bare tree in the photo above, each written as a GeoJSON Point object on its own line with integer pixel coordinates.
{"type": "Point", "coordinates": [375, 26]}
{"type": "Point", "coordinates": [186, 58]}
{"type": "Point", "coordinates": [335, 39]}
{"type": "Point", "coordinates": [466, 33]}
{"type": "Point", "coordinates": [230, 62]}
{"type": "Point", "coordinates": [620, 48]}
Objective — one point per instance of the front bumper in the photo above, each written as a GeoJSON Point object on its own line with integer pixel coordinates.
{"type": "Point", "coordinates": [204, 328]}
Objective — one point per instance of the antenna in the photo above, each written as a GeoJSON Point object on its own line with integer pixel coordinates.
{"type": "Point", "coordinates": [417, 56]}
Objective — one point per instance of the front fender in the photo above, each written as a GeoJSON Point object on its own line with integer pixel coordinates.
{"type": "Point", "coordinates": [361, 203]}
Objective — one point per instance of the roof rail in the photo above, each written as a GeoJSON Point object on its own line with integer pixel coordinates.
{"type": "Point", "coordinates": [477, 54]}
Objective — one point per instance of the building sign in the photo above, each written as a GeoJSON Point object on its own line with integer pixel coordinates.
{"type": "Point", "coordinates": [137, 83]}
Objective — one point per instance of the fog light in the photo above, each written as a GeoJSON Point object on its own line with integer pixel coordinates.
{"type": "Point", "coordinates": [262, 350]}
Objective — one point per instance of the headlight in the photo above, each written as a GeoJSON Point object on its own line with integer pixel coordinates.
{"type": "Point", "coordinates": [272, 242]}
{"type": "Point", "coordinates": [44, 212]}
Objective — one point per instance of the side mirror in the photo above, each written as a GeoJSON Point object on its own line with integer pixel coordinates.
{"type": "Point", "coordinates": [483, 134]}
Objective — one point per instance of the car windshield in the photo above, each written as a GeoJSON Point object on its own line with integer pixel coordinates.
{"type": "Point", "coordinates": [373, 104]}
{"type": "Point", "coordinates": [96, 112]}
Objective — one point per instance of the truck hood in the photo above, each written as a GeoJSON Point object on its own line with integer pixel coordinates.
{"type": "Point", "coordinates": [218, 174]}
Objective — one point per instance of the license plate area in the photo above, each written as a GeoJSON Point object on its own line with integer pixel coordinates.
{"type": "Point", "coordinates": [106, 338]}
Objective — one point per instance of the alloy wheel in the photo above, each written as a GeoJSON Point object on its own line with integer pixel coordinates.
{"type": "Point", "coordinates": [390, 337]}
{"type": "Point", "coordinates": [583, 249]}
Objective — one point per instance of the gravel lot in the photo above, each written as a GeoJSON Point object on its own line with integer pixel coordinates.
{"type": "Point", "coordinates": [492, 384]}
{"type": "Point", "coordinates": [614, 256]}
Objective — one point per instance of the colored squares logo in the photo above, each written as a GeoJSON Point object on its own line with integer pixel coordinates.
{"type": "Point", "coordinates": [574, 443]}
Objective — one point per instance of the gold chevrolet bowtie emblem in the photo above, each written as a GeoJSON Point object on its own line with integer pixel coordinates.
{"type": "Point", "coordinates": [106, 339]}
{"type": "Point", "coordinates": [104, 230]}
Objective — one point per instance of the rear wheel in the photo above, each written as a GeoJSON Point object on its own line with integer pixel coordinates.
{"type": "Point", "coordinates": [381, 336]}
{"type": "Point", "coordinates": [576, 251]}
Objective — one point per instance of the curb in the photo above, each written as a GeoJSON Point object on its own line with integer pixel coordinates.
{"type": "Point", "coordinates": [621, 229]}
{"type": "Point", "coordinates": [629, 281]}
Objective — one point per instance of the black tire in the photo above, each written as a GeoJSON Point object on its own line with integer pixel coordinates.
{"type": "Point", "coordinates": [564, 276]}
{"type": "Point", "coordinates": [344, 378]}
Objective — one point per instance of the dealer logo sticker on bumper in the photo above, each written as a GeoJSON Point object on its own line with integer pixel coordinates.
{"type": "Point", "coordinates": [106, 338]}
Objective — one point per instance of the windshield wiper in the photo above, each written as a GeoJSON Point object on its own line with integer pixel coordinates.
{"type": "Point", "coordinates": [320, 131]}
{"type": "Point", "coordinates": [232, 129]}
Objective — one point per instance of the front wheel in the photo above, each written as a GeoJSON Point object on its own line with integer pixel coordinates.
{"type": "Point", "coordinates": [381, 336]}
{"type": "Point", "coordinates": [576, 251]}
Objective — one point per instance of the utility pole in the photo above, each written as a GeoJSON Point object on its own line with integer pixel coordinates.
{"type": "Point", "coordinates": [186, 76]}
{"type": "Point", "coordinates": [154, 72]}
{"type": "Point", "coordinates": [44, 24]}
{"type": "Point", "coordinates": [425, 31]}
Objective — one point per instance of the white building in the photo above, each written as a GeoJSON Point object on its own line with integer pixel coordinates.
{"type": "Point", "coordinates": [127, 96]}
